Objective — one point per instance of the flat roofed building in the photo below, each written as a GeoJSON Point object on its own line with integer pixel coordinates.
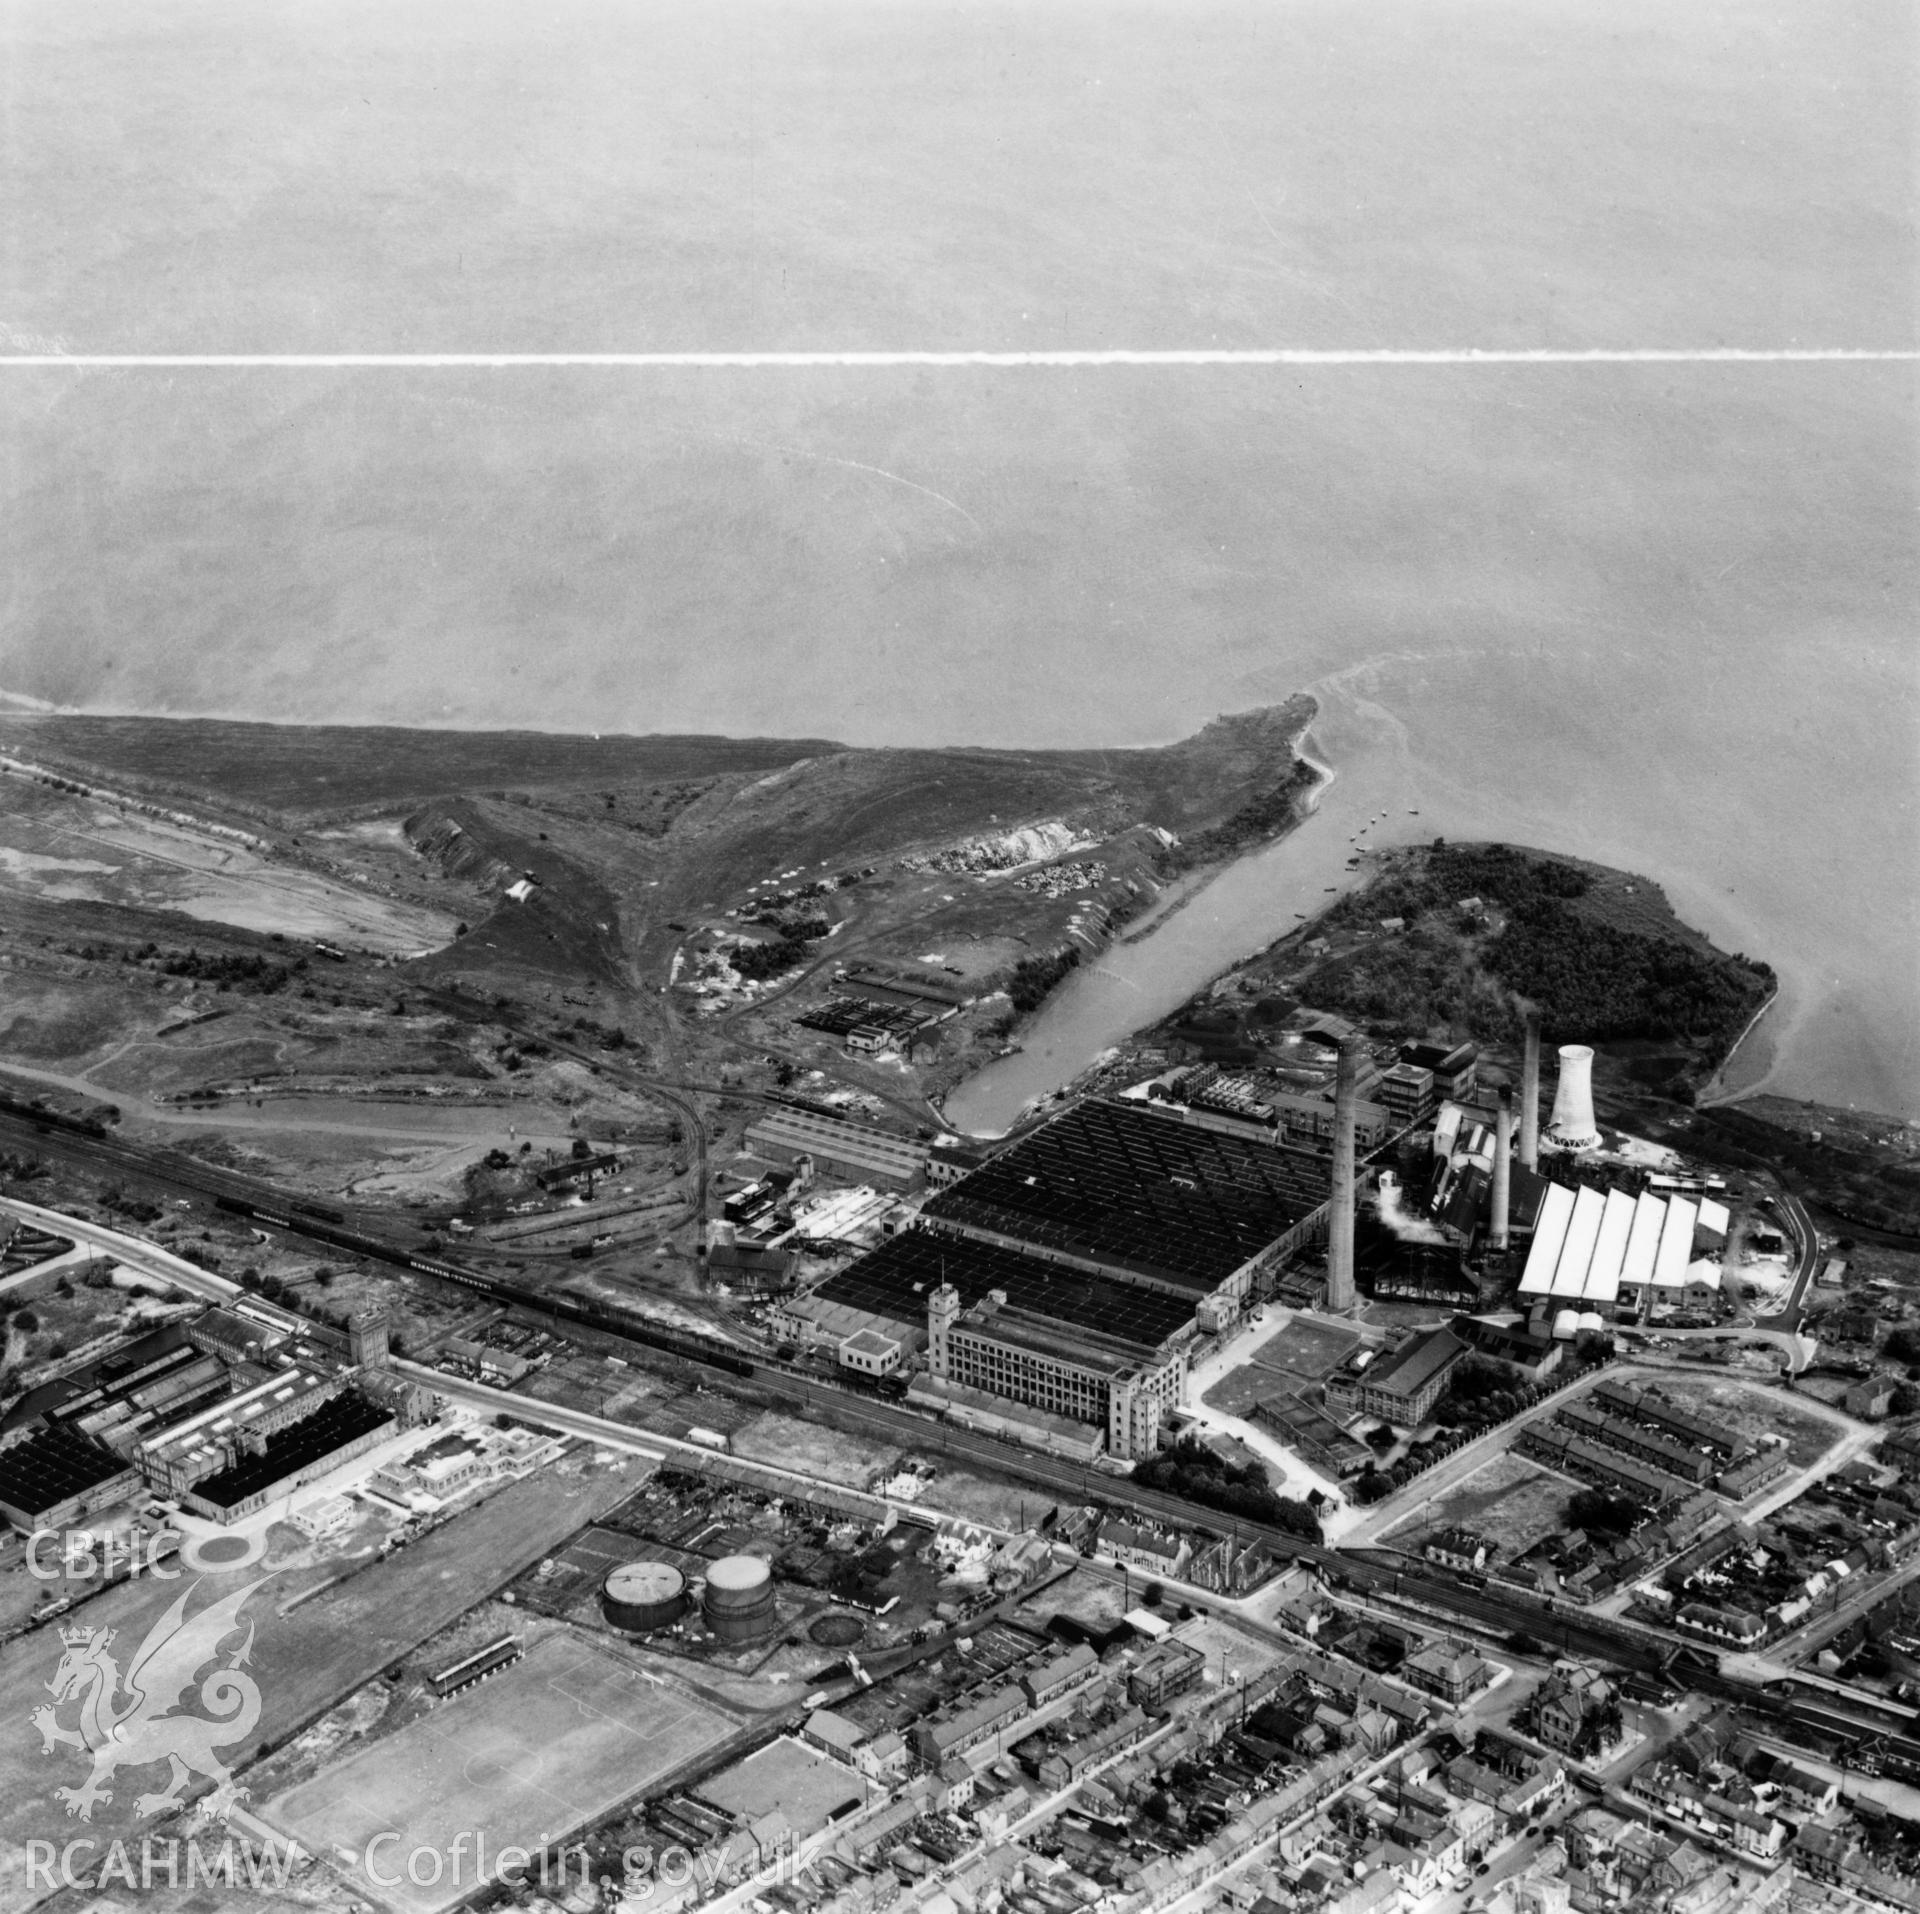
{"type": "Point", "coordinates": [1168, 1669]}
{"type": "Point", "coordinates": [1456, 1070]}
{"type": "Point", "coordinates": [1079, 1373]}
{"type": "Point", "coordinates": [1408, 1093]}
{"type": "Point", "coordinates": [870, 1353]}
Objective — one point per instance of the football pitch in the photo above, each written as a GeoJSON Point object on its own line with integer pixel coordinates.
{"type": "Point", "coordinates": [553, 1742]}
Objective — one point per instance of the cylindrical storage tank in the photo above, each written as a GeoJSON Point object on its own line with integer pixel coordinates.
{"type": "Point", "coordinates": [1566, 1325]}
{"type": "Point", "coordinates": [1591, 1319]}
{"type": "Point", "coordinates": [739, 1599]}
{"type": "Point", "coordinates": [642, 1597]}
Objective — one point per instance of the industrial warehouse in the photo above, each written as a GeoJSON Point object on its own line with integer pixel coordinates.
{"type": "Point", "coordinates": [229, 1412]}
{"type": "Point", "coordinates": [1055, 1288]}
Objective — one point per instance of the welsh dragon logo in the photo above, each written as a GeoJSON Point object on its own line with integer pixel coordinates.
{"type": "Point", "coordinates": [137, 1719]}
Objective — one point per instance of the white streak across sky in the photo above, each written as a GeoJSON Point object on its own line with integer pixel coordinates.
{"type": "Point", "coordinates": [960, 360]}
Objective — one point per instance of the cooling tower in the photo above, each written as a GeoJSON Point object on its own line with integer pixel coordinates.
{"type": "Point", "coordinates": [1502, 1168]}
{"type": "Point", "coordinates": [1530, 1096]}
{"type": "Point", "coordinates": [1573, 1126]}
{"type": "Point", "coordinates": [1340, 1215]}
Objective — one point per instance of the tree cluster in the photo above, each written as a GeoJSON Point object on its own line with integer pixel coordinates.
{"type": "Point", "coordinates": [1034, 978]}
{"type": "Point", "coordinates": [1192, 1470]}
{"type": "Point", "coordinates": [1593, 981]}
{"type": "Point", "coordinates": [1262, 815]}
{"type": "Point", "coordinates": [1601, 1512]}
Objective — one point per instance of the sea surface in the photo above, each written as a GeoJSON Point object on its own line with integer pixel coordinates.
{"type": "Point", "coordinates": [1657, 614]}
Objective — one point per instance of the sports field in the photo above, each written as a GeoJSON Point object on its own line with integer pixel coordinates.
{"type": "Point", "coordinates": [527, 1756]}
{"type": "Point", "coordinates": [804, 1786]}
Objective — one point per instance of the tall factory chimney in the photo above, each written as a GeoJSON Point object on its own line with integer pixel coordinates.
{"type": "Point", "coordinates": [1346, 1094]}
{"type": "Point", "coordinates": [1502, 1168]}
{"type": "Point", "coordinates": [1530, 1096]}
{"type": "Point", "coordinates": [1573, 1123]}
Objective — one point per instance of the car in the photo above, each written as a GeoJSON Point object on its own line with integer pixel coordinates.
{"type": "Point", "coordinates": [1482, 1868]}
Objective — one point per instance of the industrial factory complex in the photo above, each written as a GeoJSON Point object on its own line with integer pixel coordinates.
{"type": "Point", "coordinates": [1056, 1290]}
{"type": "Point", "coordinates": [1235, 1489]}
{"type": "Point", "coordinates": [1060, 1290]}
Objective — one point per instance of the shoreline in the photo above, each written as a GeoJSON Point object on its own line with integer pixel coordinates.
{"type": "Point", "coordinates": [1204, 874]}
{"type": "Point", "coordinates": [1714, 1092]}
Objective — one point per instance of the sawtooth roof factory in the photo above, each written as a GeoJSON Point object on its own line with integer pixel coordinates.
{"type": "Point", "coordinates": [1056, 1287]}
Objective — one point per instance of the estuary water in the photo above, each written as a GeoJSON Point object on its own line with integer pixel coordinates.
{"type": "Point", "coordinates": [1660, 613]}
{"type": "Point", "coordinates": [1828, 1036]}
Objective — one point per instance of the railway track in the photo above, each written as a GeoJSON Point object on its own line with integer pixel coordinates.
{"type": "Point", "coordinates": [1884, 1731]}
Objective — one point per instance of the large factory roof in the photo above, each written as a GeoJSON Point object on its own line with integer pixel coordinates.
{"type": "Point", "coordinates": [337, 1422]}
{"type": "Point", "coordinates": [898, 1277]}
{"type": "Point", "coordinates": [1586, 1246]}
{"type": "Point", "coordinates": [51, 1465]}
{"type": "Point", "coordinates": [1136, 1190]}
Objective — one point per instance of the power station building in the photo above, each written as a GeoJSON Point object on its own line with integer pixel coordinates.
{"type": "Point", "coordinates": [1616, 1254]}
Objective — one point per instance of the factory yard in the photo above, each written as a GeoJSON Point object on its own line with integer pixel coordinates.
{"type": "Point", "coordinates": [553, 1742]}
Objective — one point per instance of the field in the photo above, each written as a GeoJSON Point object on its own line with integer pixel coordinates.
{"type": "Point", "coordinates": [309, 1656]}
{"type": "Point", "coordinates": [808, 1788]}
{"type": "Point", "coordinates": [1509, 1500]}
{"type": "Point", "coordinates": [1289, 1362]}
{"type": "Point", "coordinates": [811, 1447]}
{"type": "Point", "coordinates": [70, 848]}
{"type": "Point", "coordinates": [312, 770]}
{"type": "Point", "coordinates": [1305, 1350]}
{"type": "Point", "coordinates": [1751, 1415]}
{"type": "Point", "coordinates": [532, 1753]}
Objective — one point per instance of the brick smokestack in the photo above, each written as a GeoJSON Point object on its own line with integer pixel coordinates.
{"type": "Point", "coordinates": [1340, 1217]}
{"type": "Point", "coordinates": [1530, 1096]}
{"type": "Point", "coordinates": [1502, 1167]}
